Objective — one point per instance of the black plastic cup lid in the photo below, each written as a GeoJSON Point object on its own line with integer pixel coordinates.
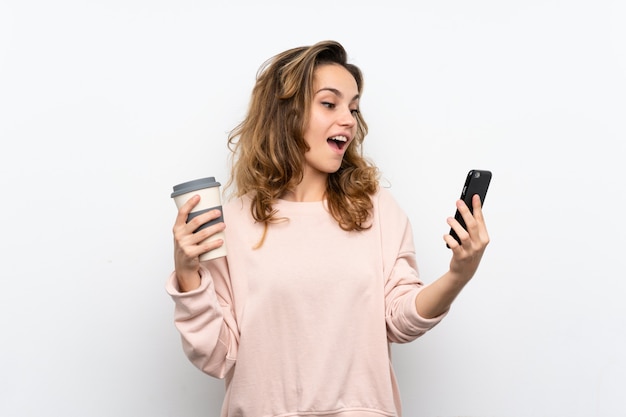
{"type": "Point", "coordinates": [195, 185]}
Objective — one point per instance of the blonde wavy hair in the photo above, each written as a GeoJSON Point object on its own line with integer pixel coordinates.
{"type": "Point", "coordinates": [268, 146]}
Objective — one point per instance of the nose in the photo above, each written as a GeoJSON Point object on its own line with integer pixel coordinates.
{"type": "Point", "coordinates": [347, 118]}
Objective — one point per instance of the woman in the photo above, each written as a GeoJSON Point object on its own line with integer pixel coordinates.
{"type": "Point", "coordinates": [321, 273]}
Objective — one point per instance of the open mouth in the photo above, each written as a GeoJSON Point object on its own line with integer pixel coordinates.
{"type": "Point", "coordinates": [337, 142]}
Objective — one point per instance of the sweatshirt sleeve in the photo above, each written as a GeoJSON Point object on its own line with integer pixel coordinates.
{"type": "Point", "coordinates": [205, 319]}
{"type": "Point", "coordinates": [402, 281]}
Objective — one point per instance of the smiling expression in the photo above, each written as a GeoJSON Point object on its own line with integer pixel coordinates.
{"type": "Point", "coordinates": [332, 119]}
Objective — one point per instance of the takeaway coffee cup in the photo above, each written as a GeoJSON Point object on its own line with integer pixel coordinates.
{"type": "Point", "coordinates": [210, 198]}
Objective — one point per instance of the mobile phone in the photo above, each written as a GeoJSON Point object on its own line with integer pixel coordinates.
{"type": "Point", "coordinates": [476, 182]}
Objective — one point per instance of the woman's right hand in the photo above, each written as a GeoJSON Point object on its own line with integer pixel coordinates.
{"type": "Point", "coordinates": [188, 246]}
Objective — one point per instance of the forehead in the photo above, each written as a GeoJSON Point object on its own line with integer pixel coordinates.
{"type": "Point", "coordinates": [334, 76]}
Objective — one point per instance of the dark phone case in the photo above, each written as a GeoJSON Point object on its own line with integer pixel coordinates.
{"type": "Point", "coordinates": [476, 182]}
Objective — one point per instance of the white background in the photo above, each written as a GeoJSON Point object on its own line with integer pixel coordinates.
{"type": "Point", "coordinates": [104, 105]}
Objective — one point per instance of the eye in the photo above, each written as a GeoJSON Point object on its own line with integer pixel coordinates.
{"type": "Point", "coordinates": [328, 104]}
{"type": "Point", "coordinates": [355, 112]}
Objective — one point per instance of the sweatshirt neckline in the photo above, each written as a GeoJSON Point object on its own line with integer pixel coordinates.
{"type": "Point", "coordinates": [301, 206]}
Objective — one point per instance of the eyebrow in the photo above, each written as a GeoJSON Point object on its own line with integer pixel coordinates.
{"type": "Point", "coordinates": [336, 92]}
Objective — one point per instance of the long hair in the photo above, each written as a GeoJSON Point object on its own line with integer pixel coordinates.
{"type": "Point", "coordinates": [268, 146]}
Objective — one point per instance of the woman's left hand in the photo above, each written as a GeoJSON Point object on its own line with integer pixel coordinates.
{"type": "Point", "coordinates": [466, 256]}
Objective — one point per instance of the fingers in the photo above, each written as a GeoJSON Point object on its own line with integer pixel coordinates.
{"type": "Point", "coordinates": [479, 228]}
{"type": "Point", "coordinates": [450, 241]}
{"type": "Point", "coordinates": [189, 242]}
{"type": "Point", "coordinates": [185, 209]}
{"type": "Point", "coordinates": [195, 222]}
{"type": "Point", "coordinates": [188, 237]}
{"type": "Point", "coordinates": [459, 230]}
{"type": "Point", "coordinates": [477, 206]}
{"type": "Point", "coordinates": [467, 254]}
{"type": "Point", "coordinates": [475, 230]}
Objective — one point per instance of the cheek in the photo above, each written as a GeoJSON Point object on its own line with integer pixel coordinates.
{"type": "Point", "coordinates": [315, 132]}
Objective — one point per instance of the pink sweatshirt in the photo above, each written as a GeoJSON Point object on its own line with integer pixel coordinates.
{"type": "Point", "coordinates": [302, 325]}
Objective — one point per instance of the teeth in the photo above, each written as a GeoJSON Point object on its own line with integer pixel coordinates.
{"type": "Point", "coordinates": [340, 138]}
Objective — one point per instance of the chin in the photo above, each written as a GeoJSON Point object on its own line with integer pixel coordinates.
{"type": "Point", "coordinates": [333, 170]}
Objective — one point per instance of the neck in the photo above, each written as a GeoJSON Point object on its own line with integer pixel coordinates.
{"type": "Point", "coordinates": [311, 188]}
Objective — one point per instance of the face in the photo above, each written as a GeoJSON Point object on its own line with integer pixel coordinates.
{"type": "Point", "coordinates": [332, 121]}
